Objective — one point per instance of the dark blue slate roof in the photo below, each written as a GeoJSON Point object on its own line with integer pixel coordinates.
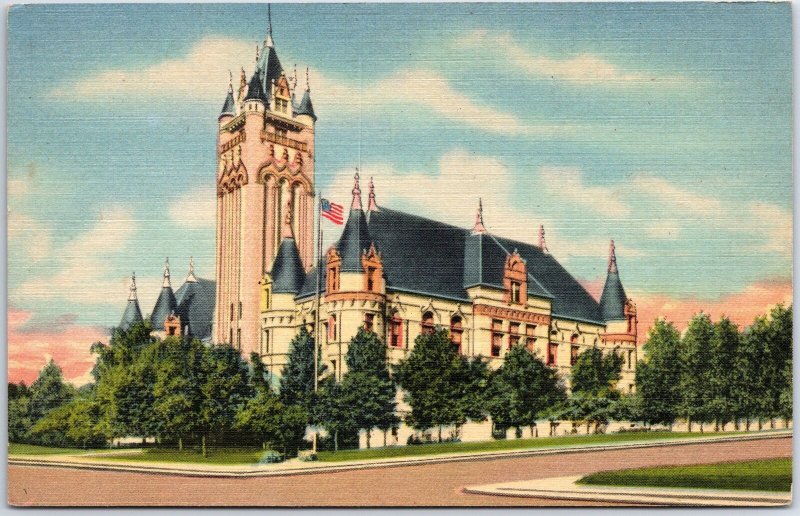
{"type": "Point", "coordinates": [306, 107]}
{"type": "Point", "coordinates": [131, 316]}
{"type": "Point", "coordinates": [612, 301]}
{"type": "Point", "coordinates": [428, 257]}
{"type": "Point", "coordinates": [255, 91]}
{"type": "Point", "coordinates": [270, 69]}
{"type": "Point", "coordinates": [229, 108]}
{"type": "Point", "coordinates": [354, 241]}
{"type": "Point", "coordinates": [165, 305]}
{"type": "Point", "coordinates": [196, 307]}
{"type": "Point", "coordinates": [309, 287]}
{"type": "Point", "coordinates": [287, 273]}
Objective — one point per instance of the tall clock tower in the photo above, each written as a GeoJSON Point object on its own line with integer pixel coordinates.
{"type": "Point", "coordinates": [265, 173]}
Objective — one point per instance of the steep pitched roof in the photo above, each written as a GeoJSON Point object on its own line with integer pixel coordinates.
{"type": "Point", "coordinates": [165, 305]}
{"type": "Point", "coordinates": [354, 241]}
{"type": "Point", "coordinates": [613, 299]}
{"type": "Point", "coordinates": [255, 90]}
{"type": "Point", "coordinates": [306, 107]}
{"type": "Point", "coordinates": [229, 108]}
{"type": "Point", "coordinates": [132, 315]}
{"type": "Point", "coordinates": [287, 269]}
{"type": "Point", "coordinates": [269, 67]}
{"type": "Point", "coordinates": [196, 307]}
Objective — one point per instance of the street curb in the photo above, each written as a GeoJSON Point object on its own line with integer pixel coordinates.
{"type": "Point", "coordinates": [318, 468]}
{"type": "Point", "coordinates": [567, 488]}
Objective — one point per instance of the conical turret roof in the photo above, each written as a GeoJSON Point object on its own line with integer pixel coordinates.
{"type": "Point", "coordinates": [165, 304]}
{"type": "Point", "coordinates": [613, 299]}
{"type": "Point", "coordinates": [306, 107]}
{"type": "Point", "coordinates": [132, 314]}
{"type": "Point", "coordinates": [287, 273]}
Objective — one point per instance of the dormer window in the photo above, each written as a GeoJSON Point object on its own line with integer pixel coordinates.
{"type": "Point", "coordinates": [281, 105]}
{"type": "Point", "coordinates": [515, 280]}
{"type": "Point", "coordinates": [427, 323]}
{"type": "Point", "coordinates": [456, 332]}
{"type": "Point", "coordinates": [372, 264]}
{"type": "Point", "coordinates": [332, 271]}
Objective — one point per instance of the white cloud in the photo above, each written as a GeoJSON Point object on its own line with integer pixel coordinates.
{"type": "Point", "coordinates": [679, 199]}
{"type": "Point", "coordinates": [86, 263]}
{"type": "Point", "coordinates": [569, 184]}
{"type": "Point", "coordinates": [580, 69]}
{"type": "Point", "coordinates": [195, 209]}
{"type": "Point", "coordinates": [30, 236]}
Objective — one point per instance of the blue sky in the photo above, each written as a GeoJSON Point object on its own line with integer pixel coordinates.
{"type": "Point", "coordinates": [666, 127]}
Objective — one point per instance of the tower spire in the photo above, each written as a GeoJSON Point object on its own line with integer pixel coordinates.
{"type": "Point", "coordinates": [132, 295]}
{"type": "Point", "coordinates": [166, 282]}
{"type": "Point", "coordinates": [286, 231]}
{"type": "Point", "coordinates": [191, 278]}
{"type": "Point", "coordinates": [479, 228]}
{"type": "Point", "coordinates": [230, 82]}
{"type": "Point", "coordinates": [612, 258]}
{"type": "Point", "coordinates": [268, 43]}
{"type": "Point", "coordinates": [542, 243]}
{"type": "Point", "coordinates": [371, 204]}
{"type": "Point", "coordinates": [308, 83]}
{"type": "Point", "coordinates": [356, 204]}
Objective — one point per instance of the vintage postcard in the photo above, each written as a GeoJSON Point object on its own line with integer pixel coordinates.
{"type": "Point", "coordinates": [505, 254]}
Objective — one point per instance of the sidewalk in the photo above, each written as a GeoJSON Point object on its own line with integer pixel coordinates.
{"type": "Point", "coordinates": [566, 488]}
{"type": "Point", "coordinates": [295, 467]}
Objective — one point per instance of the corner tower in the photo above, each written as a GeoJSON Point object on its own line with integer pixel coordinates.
{"type": "Point", "coordinates": [265, 166]}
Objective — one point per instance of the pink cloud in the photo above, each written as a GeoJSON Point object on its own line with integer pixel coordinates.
{"type": "Point", "coordinates": [30, 345]}
{"type": "Point", "coordinates": [740, 307]}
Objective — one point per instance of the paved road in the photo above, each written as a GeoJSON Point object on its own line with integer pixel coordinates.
{"type": "Point", "coordinates": [419, 485]}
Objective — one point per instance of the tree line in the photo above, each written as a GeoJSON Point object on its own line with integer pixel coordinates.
{"type": "Point", "coordinates": [187, 394]}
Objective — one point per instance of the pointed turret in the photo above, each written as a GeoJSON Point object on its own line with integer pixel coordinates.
{"type": "Point", "coordinates": [229, 107]}
{"type": "Point", "coordinates": [269, 66]}
{"type": "Point", "coordinates": [255, 90]}
{"type": "Point", "coordinates": [306, 107]}
{"type": "Point", "coordinates": [287, 272]}
{"type": "Point", "coordinates": [166, 303]}
{"type": "Point", "coordinates": [355, 236]}
{"type": "Point", "coordinates": [479, 228]}
{"type": "Point", "coordinates": [371, 204]}
{"type": "Point", "coordinates": [613, 299]}
{"type": "Point", "coordinates": [132, 314]}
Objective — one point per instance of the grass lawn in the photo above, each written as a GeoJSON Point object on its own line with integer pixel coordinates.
{"type": "Point", "coordinates": [215, 456]}
{"type": "Point", "coordinates": [753, 475]}
{"type": "Point", "coordinates": [32, 449]}
{"type": "Point", "coordinates": [508, 444]}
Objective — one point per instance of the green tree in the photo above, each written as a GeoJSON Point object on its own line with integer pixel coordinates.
{"type": "Point", "coordinates": [779, 354]}
{"type": "Point", "coordinates": [522, 389]}
{"type": "Point", "coordinates": [432, 380]}
{"type": "Point", "coordinates": [332, 412]}
{"type": "Point", "coordinates": [472, 401]}
{"type": "Point", "coordinates": [367, 388]}
{"type": "Point", "coordinates": [225, 387]}
{"type": "Point", "coordinates": [176, 395]}
{"type": "Point", "coordinates": [658, 375]}
{"type": "Point", "coordinates": [593, 383]}
{"type": "Point", "coordinates": [19, 419]}
{"type": "Point", "coordinates": [297, 377]}
{"type": "Point", "coordinates": [71, 424]}
{"type": "Point", "coordinates": [751, 366]}
{"type": "Point", "coordinates": [17, 390]}
{"type": "Point", "coordinates": [696, 370]}
{"type": "Point", "coordinates": [723, 380]}
{"type": "Point", "coordinates": [48, 391]}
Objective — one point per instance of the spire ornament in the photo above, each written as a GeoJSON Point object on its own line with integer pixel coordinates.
{"type": "Point", "coordinates": [166, 283]}
{"type": "Point", "coordinates": [479, 228]}
{"type": "Point", "coordinates": [612, 258]}
{"type": "Point", "coordinates": [542, 243]}
{"type": "Point", "coordinates": [191, 278]}
{"type": "Point", "coordinates": [132, 295]}
{"type": "Point", "coordinates": [356, 204]}
{"type": "Point", "coordinates": [286, 231]}
{"type": "Point", "coordinates": [371, 204]}
{"type": "Point", "coordinates": [308, 82]}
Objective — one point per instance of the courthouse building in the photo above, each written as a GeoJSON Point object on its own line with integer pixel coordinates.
{"type": "Point", "coordinates": [397, 274]}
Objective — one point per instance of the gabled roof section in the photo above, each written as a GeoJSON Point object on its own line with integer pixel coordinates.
{"type": "Point", "coordinates": [287, 273]}
{"type": "Point", "coordinates": [196, 307]}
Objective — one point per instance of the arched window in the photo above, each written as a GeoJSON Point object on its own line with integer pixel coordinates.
{"type": "Point", "coordinates": [456, 332]}
{"type": "Point", "coordinates": [396, 332]}
{"type": "Point", "coordinates": [332, 327]}
{"type": "Point", "coordinates": [427, 323]}
{"type": "Point", "coordinates": [574, 349]}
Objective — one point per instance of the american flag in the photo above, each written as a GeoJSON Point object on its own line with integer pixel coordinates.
{"type": "Point", "coordinates": [332, 211]}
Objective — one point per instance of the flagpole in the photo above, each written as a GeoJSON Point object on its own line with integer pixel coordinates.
{"type": "Point", "coordinates": [317, 264]}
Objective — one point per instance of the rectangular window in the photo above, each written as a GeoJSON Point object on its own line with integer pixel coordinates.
{"type": "Point", "coordinates": [369, 320]}
{"type": "Point", "coordinates": [497, 342]}
{"type": "Point", "coordinates": [327, 332]}
{"type": "Point", "coordinates": [630, 359]}
{"type": "Point", "coordinates": [396, 332]}
{"type": "Point", "coordinates": [530, 332]}
{"type": "Point", "coordinates": [239, 339]}
{"type": "Point", "coordinates": [514, 292]}
{"type": "Point", "coordinates": [513, 334]}
{"type": "Point", "coordinates": [573, 355]}
{"type": "Point", "coordinates": [370, 279]}
{"type": "Point", "coordinates": [332, 327]}
{"type": "Point", "coordinates": [240, 309]}
{"type": "Point", "coordinates": [231, 317]}
{"type": "Point", "coordinates": [552, 352]}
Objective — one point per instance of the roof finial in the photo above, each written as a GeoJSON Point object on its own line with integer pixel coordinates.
{"type": "Point", "coordinates": [132, 295]}
{"type": "Point", "coordinates": [268, 42]}
{"type": "Point", "coordinates": [166, 282]}
{"type": "Point", "coordinates": [356, 204]}
{"type": "Point", "coordinates": [257, 56]}
{"type": "Point", "coordinates": [287, 221]}
{"type": "Point", "coordinates": [230, 81]}
{"type": "Point", "coordinates": [371, 204]}
{"type": "Point", "coordinates": [308, 83]}
{"type": "Point", "coordinates": [542, 243]}
{"type": "Point", "coordinates": [191, 278]}
{"type": "Point", "coordinates": [612, 258]}
{"type": "Point", "coordinates": [479, 228]}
